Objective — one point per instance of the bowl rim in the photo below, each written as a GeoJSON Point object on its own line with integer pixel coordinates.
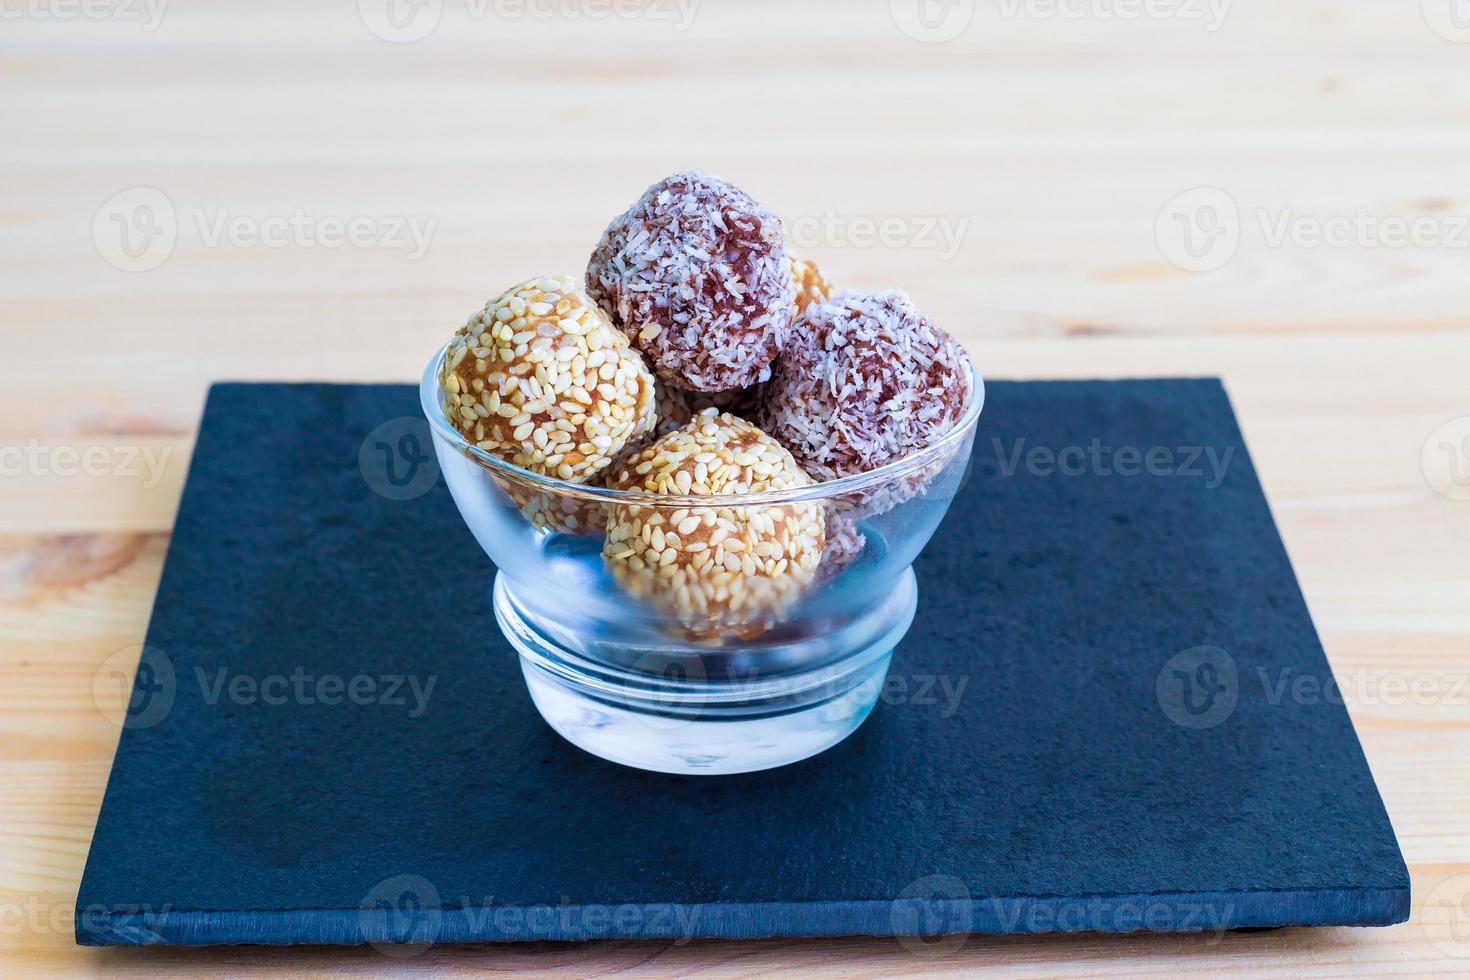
{"type": "Point", "coordinates": [431, 401]}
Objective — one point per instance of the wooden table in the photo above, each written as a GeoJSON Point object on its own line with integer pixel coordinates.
{"type": "Point", "coordinates": [1020, 179]}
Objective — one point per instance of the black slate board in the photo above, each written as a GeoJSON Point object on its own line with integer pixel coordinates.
{"type": "Point", "coordinates": [1121, 755]}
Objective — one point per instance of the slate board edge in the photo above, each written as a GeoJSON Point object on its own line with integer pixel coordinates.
{"type": "Point", "coordinates": [1178, 912]}
{"type": "Point", "coordinates": [1349, 906]}
{"type": "Point", "coordinates": [1311, 621]}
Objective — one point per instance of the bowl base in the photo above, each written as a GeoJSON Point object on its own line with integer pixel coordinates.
{"type": "Point", "coordinates": [673, 714]}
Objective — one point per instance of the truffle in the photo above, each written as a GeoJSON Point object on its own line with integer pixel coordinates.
{"type": "Point", "coordinates": [811, 287]}
{"type": "Point", "coordinates": [553, 512]}
{"type": "Point", "coordinates": [866, 379]}
{"type": "Point", "coordinates": [845, 543]}
{"type": "Point", "coordinates": [696, 274]}
{"type": "Point", "coordinates": [676, 406]}
{"type": "Point", "coordinates": [541, 378]}
{"type": "Point", "coordinates": [720, 570]}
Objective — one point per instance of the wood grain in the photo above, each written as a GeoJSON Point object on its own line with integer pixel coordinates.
{"type": "Point", "coordinates": [1046, 148]}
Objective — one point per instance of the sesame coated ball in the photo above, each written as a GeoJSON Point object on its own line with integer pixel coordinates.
{"type": "Point", "coordinates": [811, 286]}
{"type": "Point", "coordinates": [696, 274]}
{"type": "Point", "coordinates": [719, 570]}
{"type": "Point", "coordinates": [553, 512]}
{"type": "Point", "coordinates": [866, 379]}
{"type": "Point", "coordinates": [541, 378]}
{"type": "Point", "coordinates": [676, 406]}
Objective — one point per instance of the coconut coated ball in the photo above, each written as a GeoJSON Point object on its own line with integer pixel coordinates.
{"type": "Point", "coordinates": [696, 274]}
{"type": "Point", "coordinates": [866, 379]}
{"type": "Point", "coordinates": [845, 543]}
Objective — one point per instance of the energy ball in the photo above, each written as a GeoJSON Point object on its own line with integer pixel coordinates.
{"type": "Point", "coordinates": [676, 406]}
{"type": "Point", "coordinates": [719, 570]}
{"type": "Point", "coordinates": [811, 287]}
{"type": "Point", "coordinates": [556, 513]}
{"type": "Point", "coordinates": [845, 543]}
{"type": "Point", "coordinates": [696, 274]}
{"type": "Point", "coordinates": [541, 377]}
{"type": "Point", "coordinates": [866, 379]}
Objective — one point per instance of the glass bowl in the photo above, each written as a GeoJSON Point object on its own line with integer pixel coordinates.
{"type": "Point", "coordinates": [735, 667]}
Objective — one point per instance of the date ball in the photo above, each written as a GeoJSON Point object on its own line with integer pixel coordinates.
{"type": "Point", "coordinates": [866, 379]}
{"type": "Point", "coordinates": [696, 274]}
{"type": "Point", "coordinates": [541, 377]}
{"type": "Point", "coordinates": [811, 287]}
{"type": "Point", "coordinates": [720, 570]}
{"type": "Point", "coordinates": [845, 543]}
{"type": "Point", "coordinates": [555, 513]}
{"type": "Point", "coordinates": [676, 406]}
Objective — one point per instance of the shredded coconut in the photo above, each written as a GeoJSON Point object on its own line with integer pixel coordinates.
{"type": "Point", "coordinates": [844, 543]}
{"type": "Point", "coordinates": [865, 379]}
{"type": "Point", "coordinates": [696, 274]}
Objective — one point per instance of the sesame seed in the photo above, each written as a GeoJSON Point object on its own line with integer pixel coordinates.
{"type": "Point", "coordinates": [711, 551]}
{"type": "Point", "coordinates": [530, 361]}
